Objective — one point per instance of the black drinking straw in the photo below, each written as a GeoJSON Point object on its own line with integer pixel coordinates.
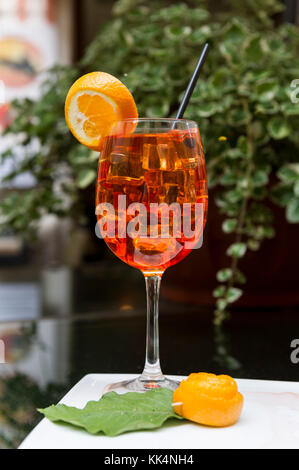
{"type": "Point", "coordinates": [193, 82]}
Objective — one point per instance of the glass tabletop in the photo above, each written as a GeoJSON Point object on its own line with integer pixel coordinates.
{"type": "Point", "coordinates": [58, 325]}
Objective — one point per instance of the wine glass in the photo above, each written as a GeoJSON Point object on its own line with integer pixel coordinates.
{"type": "Point", "coordinates": [151, 207]}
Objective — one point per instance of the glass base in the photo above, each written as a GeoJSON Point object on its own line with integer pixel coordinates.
{"type": "Point", "coordinates": [141, 385]}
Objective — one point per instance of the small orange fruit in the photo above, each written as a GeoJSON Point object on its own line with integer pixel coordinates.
{"type": "Point", "coordinates": [208, 399]}
{"type": "Point", "coordinates": [93, 103]}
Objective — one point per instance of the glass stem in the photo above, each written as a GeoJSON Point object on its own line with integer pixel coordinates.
{"type": "Point", "coordinates": [152, 370]}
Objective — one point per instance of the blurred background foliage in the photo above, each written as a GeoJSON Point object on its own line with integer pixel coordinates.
{"type": "Point", "coordinates": [19, 416]}
{"type": "Point", "coordinates": [242, 103]}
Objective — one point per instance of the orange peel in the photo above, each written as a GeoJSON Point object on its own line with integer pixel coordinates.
{"type": "Point", "coordinates": [208, 399]}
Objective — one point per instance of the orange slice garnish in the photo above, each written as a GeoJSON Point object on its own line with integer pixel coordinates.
{"type": "Point", "coordinates": [93, 104]}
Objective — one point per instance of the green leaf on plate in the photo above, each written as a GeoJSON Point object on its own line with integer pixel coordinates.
{"type": "Point", "coordinates": [114, 414]}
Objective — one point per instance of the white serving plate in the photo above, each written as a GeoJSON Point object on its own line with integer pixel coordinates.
{"type": "Point", "coordinates": [270, 419]}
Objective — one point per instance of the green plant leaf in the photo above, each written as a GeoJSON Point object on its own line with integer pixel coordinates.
{"type": "Point", "coordinates": [177, 32]}
{"type": "Point", "coordinates": [229, 225]}
{"type": "Point", "coordinates": [235, 153]}
{"type": "Point", "coordinates": [282, 194]}
{"type": "Point", "coordinates": [259, 178]}
{"type": "Point", "coordinates": [207, 109]}
{"type": "Point", "coordinates": [242, 145]}
{"type": "Point", "coordinates": [259, 132]}
{"type": "Point", "coordinates": [224, 274]}
{"type": "Point", "coordinates": [253, 245]}
{"type": "Point", "coordinates": [222, 79]}
{"type": "Point", "coordinates": [228, 178]}
{"type": "Point", "coordinates": [266, 90]}
{"type": "Point", "coordinates": [230, 52]}
{"type": "Point", "coordinates": [236, 117]}
{"type": "Point", "coordinates": [268, 107]}
{"type": "Point", "coordinates": [85, 178]}
{"type": "Point", "coordinates": [237, 250]}
{"type": "Point", "coordinates": [269, 232]}
{"type": "Point", "coordinates": [157, 109]}
{"type": "Point", "coordinates": [233, 294]}
{"type": "Point", "coordinates": [239, 276]}
{"type": "Point", "coordinates": [253, 50]}
{"type": "Point", "coordinates": [290, 109]}
{"type": "Point", "coordinates": [289, 173]}
{"type": "Point", "coordinates": [219, 291]}
{"type": "Point", "coordinates": [115, 414]}
{"type": "Point", "coordinates": [235, 33]}
{"type": "Point", "coordinates": [293, 211]}
{"type": "Point", "coordinates": [278, 128]}
{"type": "Point", "coordinates": [221, 304]}
{"type": "Point", "coordinates": [296, 188]}
{"type": "Point", "coordinates": [234, 195]}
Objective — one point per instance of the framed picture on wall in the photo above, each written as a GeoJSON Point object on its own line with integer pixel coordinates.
{"type": "Point", "coordinates": [34, 36]}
